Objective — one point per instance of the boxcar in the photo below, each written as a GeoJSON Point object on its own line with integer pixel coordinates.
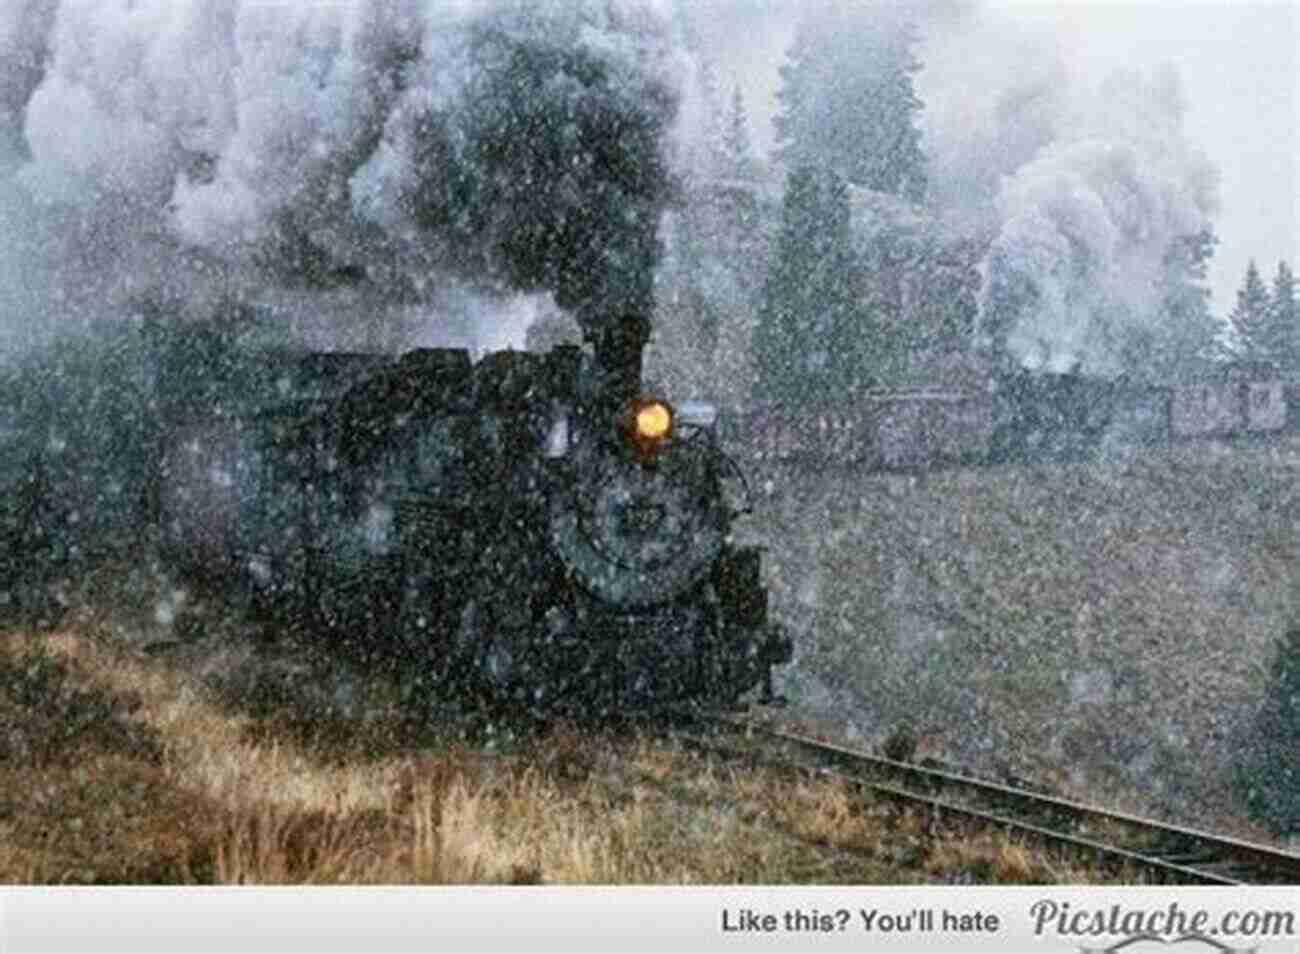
{"type": "Point", "coordinates": [1265, 405]}
{"type": "Point", "coordinates": [1208, 406]}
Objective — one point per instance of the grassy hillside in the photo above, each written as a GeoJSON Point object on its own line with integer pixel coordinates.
{"type": "Point", "coordinates": [1107, 625]}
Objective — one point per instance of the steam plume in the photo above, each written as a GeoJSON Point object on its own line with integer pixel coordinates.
{"type": "Point", "coordinates": [403, 146]}
{"type": "Point", "coordinates": [1078, 190]}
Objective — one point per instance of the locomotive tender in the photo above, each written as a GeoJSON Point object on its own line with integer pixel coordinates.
{"type": "Point", "coordinates": [529, 528]}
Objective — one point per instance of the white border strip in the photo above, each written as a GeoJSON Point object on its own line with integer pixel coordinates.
{"type": "Point", "coordinates": [631, 920]}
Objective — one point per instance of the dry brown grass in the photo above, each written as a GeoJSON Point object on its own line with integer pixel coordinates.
{"type": "Point", "coordinates": [123, 767]}
{"type": "Point", "coordinates": [995, 857]}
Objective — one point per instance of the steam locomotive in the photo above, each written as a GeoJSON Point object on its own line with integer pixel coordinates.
{"type": "Point", "coordinates": [530, 528]}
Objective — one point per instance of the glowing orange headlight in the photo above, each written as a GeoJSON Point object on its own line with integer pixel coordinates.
{"type": "Point", "coordinates": [654, 421]}
{"type": "Point", "coordinates": [649, 425]}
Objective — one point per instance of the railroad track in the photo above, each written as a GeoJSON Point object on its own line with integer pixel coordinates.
{"type": "Point", "coordinates": [1168, 853]}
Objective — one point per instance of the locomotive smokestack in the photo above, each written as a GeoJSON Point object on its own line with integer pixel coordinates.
{"type": "Point", "coordinates": [619, 344]}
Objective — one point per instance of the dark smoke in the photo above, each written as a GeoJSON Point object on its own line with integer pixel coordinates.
{"type": "Point", "coordinates": [547, 174]}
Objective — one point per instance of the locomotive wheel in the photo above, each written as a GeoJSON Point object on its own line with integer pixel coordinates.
{"type": "Point", "coordinates": [519, 635]}
{"type": "Point", "coordinates": [421, 632]}
{"type": "Point", "coordinates": [508, 638]}
{"type": "Point", "coordinates": [731, 664]}
{"type": "Point", "coordinates": [518, 645]}
{"type": "Point", "coordinates": [676, 653]}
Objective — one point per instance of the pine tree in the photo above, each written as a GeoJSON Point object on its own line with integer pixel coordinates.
{"type": "Point", "coordinates": [713, 148]}
{"type": "Point", "coordinates": [1186, 330]}
{"type": "Point", "coordinates": [737, 151]}
{"type": "Point", "coordinates": [783, 322]}
{"type": "Point", "coordinates": [1250, 319]}
{"type": "Point", "coordinates": [810, 339]}
{"type": "Point", "coordinates": [797, 96]}
{"type": "Point", "coordinates": [848, 102]}
{"type": "Point", "coordinates": [1284, 320]}
{"type": "Point", "coordinates": [1272, 780]}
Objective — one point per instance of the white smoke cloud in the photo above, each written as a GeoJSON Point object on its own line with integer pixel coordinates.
{"type": "Point", "coordinates": [312, 87]}
{"type": "Point", "coordinates": [1090, 219]}
{"type": "Point", "coordinates": [201, 147]}
{"type": "Point", "coordinates": [994, 92]}
{"type": "Point", "coordinates": [1078, 187]}
{"type": "Point", "coordinates": [209, 146]}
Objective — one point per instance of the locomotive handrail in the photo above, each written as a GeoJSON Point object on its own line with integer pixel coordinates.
{"type": "Point", "coordinates": [748, 508]}
{"type": "Point", "coordinates": [711, 436]}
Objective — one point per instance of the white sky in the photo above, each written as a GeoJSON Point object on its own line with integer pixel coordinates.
{"type": "Point", "coordinates": [1240, 65]}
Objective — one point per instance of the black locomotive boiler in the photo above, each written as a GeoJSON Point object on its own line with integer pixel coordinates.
{"type": "Point", "coordinates": [528, 527]}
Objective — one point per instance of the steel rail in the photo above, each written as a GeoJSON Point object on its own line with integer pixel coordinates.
{"type": "Point", "coordinates": [1174, 852]}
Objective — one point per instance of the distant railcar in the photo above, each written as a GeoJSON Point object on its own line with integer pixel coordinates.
{"type": "Point", "coordinates": [919, 427]}
{"type": "Point", "coordinates": [1021, 416]}
{"type": "Point", "coordinates": [889, 429]}
{"type": "Point", "coordinates": [1265, 406]}
{"type": "Point", "coordinates": [1205, 408]}
{"type": "Point", "coordinates": [1238, 398]}
{"type": "Point", "coordinates": [1141, 415]}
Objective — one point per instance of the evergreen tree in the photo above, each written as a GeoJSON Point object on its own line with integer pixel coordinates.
{"type": "Point", "coordinates": [811, 339]}
{"type": "Point", "coordinates": [1187, 330]}
{"type": "Point", "coordinates": [1272, 780]}
{"type": "Point", "coordinates": [737, 151]}
{"type": "Point", "coordinates": [800, 78]}
{"type": "Point", "coordinates": [785, 325]}
{"type": "Point", "coordinates": [713, 147]}
{"type": "Point", "coordinates": [1284, 319]}
{"type": "Point", "coordinates": [848, 102]}
{"type": "Point", "coordinates": [1250, 319]}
